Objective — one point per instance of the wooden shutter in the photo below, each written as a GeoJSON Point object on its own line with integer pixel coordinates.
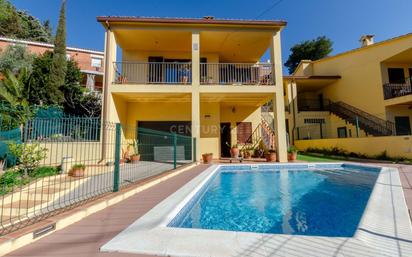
{"type": "Point", "coordinates": [244, 132]}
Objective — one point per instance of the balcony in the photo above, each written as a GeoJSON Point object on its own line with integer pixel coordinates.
{"type": "Point", "coordinates": [313, 105]}
{"type": "Point", "coordinates": [401, 88]}
{"type": "Point", "coordinates": [238, 74]}
{"type": "Point", "coordinates": [180, 73]}
{"type": "Point", "coordinates": [153, 73]}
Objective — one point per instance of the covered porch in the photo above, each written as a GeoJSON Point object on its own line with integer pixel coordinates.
{"type": "Point", "coordinates": [216, 121]}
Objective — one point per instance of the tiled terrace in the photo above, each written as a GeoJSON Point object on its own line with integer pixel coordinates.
{"type": "Point", "coordinates": [85, 237]}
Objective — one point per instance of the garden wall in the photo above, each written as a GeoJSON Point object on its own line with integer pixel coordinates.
{"type": "Point", "coordinates": [395, 146]}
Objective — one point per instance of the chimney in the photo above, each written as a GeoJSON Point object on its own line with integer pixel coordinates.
{"type": "Point", "coordinates": [366, 40]}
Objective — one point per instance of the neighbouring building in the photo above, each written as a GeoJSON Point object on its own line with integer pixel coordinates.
{"type": "Point", "coordinates": [90, 62]}
{"type": "Point", "coordinates": [201, 75]}
{"type": "Point", "coordinates": [363, 94]}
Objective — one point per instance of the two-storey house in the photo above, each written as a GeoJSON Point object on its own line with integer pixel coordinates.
{"type": "Point", "coordinates": [198, 77]}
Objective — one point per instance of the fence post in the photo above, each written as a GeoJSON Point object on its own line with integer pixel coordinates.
{"type": "Point", "coordinates": [116, 173]}
{"type": "Point", "coordinates": [174, 150]}
{"type": "Point", "coordinates": [194, 150]}
{"type": "Point", "coordinates": [357, 126]}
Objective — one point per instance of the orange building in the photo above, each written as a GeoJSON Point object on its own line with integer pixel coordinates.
{"type": "Point", "coordinates": [90, 62]}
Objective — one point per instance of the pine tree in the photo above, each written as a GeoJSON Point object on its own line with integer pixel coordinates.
{"type": "Point", "coordinates": [59, 65]}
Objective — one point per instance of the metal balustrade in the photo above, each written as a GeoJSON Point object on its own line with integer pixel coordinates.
{"type": "Point", "coordinates": [236, 74]}
{"type": "Point", "coordinates": [152, 73]}
{"type": "Point", "coordinates": [401, 88]}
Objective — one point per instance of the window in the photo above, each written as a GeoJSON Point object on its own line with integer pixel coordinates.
{"type": "Point", "coordinates": [342, 133]}
{"type": "Point", "coordinates": [314, 121]}
{"type": "Point", "coordinates": [244, 132]}
{"type": "Point", "coordinates": [396, 75]}
{"type": "Point", "coordinates": [97, 62]}
{"type": "Point", "coordinates": [68, 57]}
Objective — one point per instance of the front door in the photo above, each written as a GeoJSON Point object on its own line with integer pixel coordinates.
{"type": "Point", "coordinates": [402, 125]}
{"type": "Point", "coordinates": [225, 139]}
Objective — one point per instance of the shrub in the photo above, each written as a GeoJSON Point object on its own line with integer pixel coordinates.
{"type": "Point", "coordinates": [42, 172]}
{"type": "Point", "coordinates": [28, 156]}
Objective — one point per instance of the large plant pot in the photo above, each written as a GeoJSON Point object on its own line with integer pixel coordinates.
{"type": "Point", "coordinates": [292, 156]}
{"type": "Point", "coordinates": [207, 158]}
{"type": "Point", "coordinates": [234, 152]}
{"type": "Point", "coordinates": [135, 158]}
{"type": "Point", "coordinates": [76, 173]}
{"type": "Point", "coordinates": [271, 157]}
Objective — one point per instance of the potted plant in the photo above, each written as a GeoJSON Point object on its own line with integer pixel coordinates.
{"type": "Point", "coordinates": [270, 155]}
{"type": "Point", "coordinates": [135, 157]}
{"type": "Point", "coordinates": [77, 170]}
{"type": "Point", "coordinates": [207, 158]}
{"type": "Point", "coordinates": [234, 150]}
{"type": "Point", "coordinates": [248, 152]}
{"type": "Point", "coordinates": [261, 150]}
{"type": "Point", "coordinates": [292, 153]}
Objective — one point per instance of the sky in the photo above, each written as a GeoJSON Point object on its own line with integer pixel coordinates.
{"type": "Point", "coordinates": [342, 21]}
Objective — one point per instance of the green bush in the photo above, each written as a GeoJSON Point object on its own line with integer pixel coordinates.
{"type": "Point", "coordinates": [42, 172]}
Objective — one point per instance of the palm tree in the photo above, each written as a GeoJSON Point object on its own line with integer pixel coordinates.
{"type": "Point", "coordinates": [13, 93]}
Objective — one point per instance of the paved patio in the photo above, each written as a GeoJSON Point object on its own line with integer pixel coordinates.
{"type": "Point", "coordinates": [85, 237]}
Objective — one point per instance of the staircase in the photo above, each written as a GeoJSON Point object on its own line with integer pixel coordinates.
{"type": "Point", "coordinates": [367, 122]}
{"type": "Point", "coordinates": [264, 133]}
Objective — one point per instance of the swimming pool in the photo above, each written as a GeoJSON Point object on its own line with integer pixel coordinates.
{"type": "Point", "coordinates": [332, 209]}
{"type": "Point", "coordinates": [297, 201]}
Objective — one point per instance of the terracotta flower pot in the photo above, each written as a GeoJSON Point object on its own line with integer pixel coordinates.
{"type": "Point", "coordinates": [248, 155]}
{"type": "Point", "coordinates": [234, 152]}
{"type": "Point", "coordinates": [207, 158]}
{"type": "Point", "coordinates": [135, 158]}
{"type": "Point", "coordinates": [77, 172]}
{"type": "Point", "coordinates": [292, 156]}
{"type": "Point", "coordinates": [271, 157]}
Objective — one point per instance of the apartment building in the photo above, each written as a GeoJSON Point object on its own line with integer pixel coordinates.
{"type": "Point", "coordinates": [361, 93]}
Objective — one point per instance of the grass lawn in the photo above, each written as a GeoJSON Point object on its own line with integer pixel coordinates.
{"type": "Point", "coordinates": [308, 158]}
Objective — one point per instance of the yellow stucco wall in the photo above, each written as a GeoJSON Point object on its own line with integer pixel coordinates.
{"type": "Point", "coordinates": [363, 72]}
{"type": "Point", "coordinates": [400, 146]}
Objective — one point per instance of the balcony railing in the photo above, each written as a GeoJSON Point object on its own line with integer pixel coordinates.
{"type": "Point", "coordinates": [152, 73]}
{"type": "Point", "coordinates": [236, 74]}
{"type": "Point", "coordinates": [402, 88]}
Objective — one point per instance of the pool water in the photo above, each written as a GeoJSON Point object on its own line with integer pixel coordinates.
{"type": "Point", "coordinates": [319, 202]}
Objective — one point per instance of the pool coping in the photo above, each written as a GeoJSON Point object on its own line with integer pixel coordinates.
{"type": "Point", "coordinates": [384, 229]}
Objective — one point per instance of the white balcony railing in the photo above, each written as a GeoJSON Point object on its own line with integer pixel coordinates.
{"type": "Point", "coordinates": [236, 74]}
{"type": "Point", "coordinates": [152, 73]}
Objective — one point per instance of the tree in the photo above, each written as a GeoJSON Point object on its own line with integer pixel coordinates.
{"type": "Point", "coordinates": [59, 65]}
{"type": "Point", "coordinates": [15, 58]}
{"type": "Point", "coordinates": [20, 24]}
{"type": "Point", "coordinates": [308, 50]}
{"type": "Point", "coordinates": [41, 93]}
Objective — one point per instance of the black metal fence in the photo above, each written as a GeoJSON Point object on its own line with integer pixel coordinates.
{"type": "Point", "coordinates": [63, 163]}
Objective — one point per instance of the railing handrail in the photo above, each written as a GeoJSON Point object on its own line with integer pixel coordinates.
{"type": "Point", "coordinates": [392, 90]}
{"type": "Point", "coordinates": [139, 62]}
{"type": "Point", "coordinates": [368, 119]}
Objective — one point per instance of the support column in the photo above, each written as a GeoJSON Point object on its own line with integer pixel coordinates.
{"type": "Point", "coordinates": [294, 110]}
{"type": "Point", "coordinates": [196, 122]}
{"type": "Point", "coordinates": [195, 92]}
{"type": "Point", "coordinates": [278, 98]}
{"type": "Point", "coordinates": [109, 57]}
